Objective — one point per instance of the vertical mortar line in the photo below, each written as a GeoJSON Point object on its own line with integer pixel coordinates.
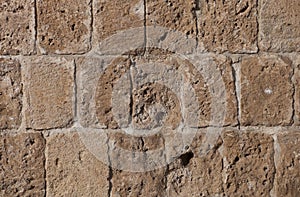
{"type": "Point", "coordinates": [257, 24]}
{"type": "Point", "coordinates": [294, 93]}
{"type": "Point", "coordinates": [75, 92]}
{"type": "Point", "coordinates": [35, 26]}
{"type": "Point", "coordinates": [145, 28]}
{"type": "Point", "coordinates": [276, 161]}
{"type": "Point", "coordinates": [237, 86]}
{"type": "Point", "coordinates": [92, 24]}
{"type": "Point", "coordinates": [45, 163]}
{"type": "Point", "coordinates": [197, 4]}
{"type": "Point", "coordinates": [110, 171]}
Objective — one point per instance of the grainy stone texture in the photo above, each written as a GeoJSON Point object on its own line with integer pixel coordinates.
{"type": "Point", "coordinates": [17, 27]}
{"type": "Point", "coordinates": [296, 79]}
{"type": "Point", "coordinates": [49, 92]}
{"type": "Point", "coordinates": [10, 93]}
{"type": "Point", "coordinates": [64, 26]}
{"type": "Point", "coordinates": [71, 170]}
{"type": "Point", "coordinates": [22, 165]}
{"type": "Point", "coordinates": [228, 25]}
{"type": "Point", "coordinates": [249, 163]}
{"type": "Point", "coordinates": [266, 91]}
{"type": "Point", "coordinates": [114, 16]}
{"type": "Point", "coordinates": [279, 25]}
{"type": "Point", "coordinates": [288, 165]}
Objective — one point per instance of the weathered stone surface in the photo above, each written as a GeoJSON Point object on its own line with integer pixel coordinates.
{"type": "Point", "coordinates": [195, 174]}
{"type": "Point", "coordinates": [17, 27]}
{"type": "Point", "coordinates": [296, 79]}
{"type": "Point", "coordinates": [279, 25]}
{"type": "Point", "coordinates": [64, 26]}
{"type": "Point", "coordinates": [22, 165]}
{"type": "Point", "coordinates": [227, 25]}
{"type": "Point", "coordinates": [249, 163]}
{"type": "Point", "coordinates": [49, 84]}
{"type": "Point", "coordinates": [115, 16]}
{"type": "Point", "coordinates": [71, 170]}
{"type": "Point", "coordinates": [174, 15]}
{"type": "Point", "coordinates": [10, 94]}
{"type": "Point", "coordinates": [288, 165]}
{"type": "Point", "coordinates": [266, 91]}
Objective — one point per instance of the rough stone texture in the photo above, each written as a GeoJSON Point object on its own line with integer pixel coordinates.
{"type": "Point", "coordinates": [172, 14]}
{"type": "Point", "coordinates": [71, 170]}
{"type": "Point", "coordinates": [195, 174]}
{"type": "Point", "coordinates": [279, 25]}
{"type": "Point", "coordinates": [17, 27]}
{"type": "Point", "coordinates": [10, 94]}
{"type": "Point", "coordinates": [288, 165]}
{"type": "Point", "coordinates": [49, 92]}
{"type": "Point", "coordinates": [114, 16]}
{"type": "Point", "coordinates": [296, 79]}
{"type": "Point", "coordinates": [249, 163]}
{"type": "Point", "coordinates": [22, 165]}
{"type": "Point", "coordinates": [227, 25]}
{"type": "Point", "coordinates": [64, 26]}
{"type": "Point", "coordinates": [266, 91]}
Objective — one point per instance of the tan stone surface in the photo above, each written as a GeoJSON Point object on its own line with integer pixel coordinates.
{"type": "Point", "coordinates": [49, 92]}
{"type": "Point", "coordinates": [64, 26]}
{"type": "Point", "coordinates": [279, 25]}
{"type": "Point", "coordinates": [296, 79]}
{"type": "Point", "coordinates": [266, 91]}
{"type": "Point", "coordinates": [112, 16]}
{"type": "Point", "coordinates": [288, 166]}
{"type": "Point", "coordinates": [10, 93]}
{"type": "Point", "coordinates": [17, 27]}
{"type": "Point", "coordinates": [71, 170]}
{"type": "Point", "coordinates": [22, 165]}
{"type": "Point", "coordinates": [195, 174]}
{"type": "Point", "coordinates": [227, 25]}
{"type": "Point", "coordinates": [249, 163]}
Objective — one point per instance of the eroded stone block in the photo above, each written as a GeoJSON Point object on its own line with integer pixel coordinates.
{"type": "Point", "coordinates": [64, 26]}
{"type": "Point", "coordinates": [10, 94]}
{"type": "Point", "coordinates": [49, 87]}
{"type": "Point", "coordinates": [266, 91]}
{"type": "Point", "coordinates": [288, 164]}
{"type": "Point", "coordinates": [72, 170]}
{"type": "Point", "coordinates": [279, 25]}
{"type": "Point", "coordinates": [249, 163]}
{"type": "Point", "coordinates": [17, 27]}
{"type": "Point", "coordinates": [22, 165]}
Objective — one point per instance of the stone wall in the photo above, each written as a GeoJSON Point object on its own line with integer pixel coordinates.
{"type": "Point", "coordinates": [83, 83]}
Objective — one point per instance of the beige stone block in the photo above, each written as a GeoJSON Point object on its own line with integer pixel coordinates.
{"type": "Point", "coordinates": [49, 89]}
{"type": "Point", "coordinates": [249, 163]}
{"type": "Point", "coordinates": [64, 27]}
{"type": "Point", "coordinates": [10, 93]}
{"type": "Point", "coordinates": [266, 91]}
{"type": "Point", "coordinates": [227, 26]}
{"type": "Point", "coordinates": [17, 27]}
{"type": "Point", "coordinates": [72, 170]}
{"type": "Point", "coordinates": [22, 169]}
{"type": "Point", "coordinates": [288, 164]}
{"type": "Point", "coordinates": [279, 25]}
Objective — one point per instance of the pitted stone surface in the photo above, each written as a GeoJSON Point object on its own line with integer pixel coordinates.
{"type": "Point", "coordinates": [288, 166]}
{"type": "Point", "coordinates": [10, 94]}
{"type": "Point", "coordinates": [266, 91]}
{"type": "Point", "coordinates": [279, 25]}
{"type": "Point", "coordinates": [63, 26]}
{"type": "Point", "coordinates": [49, 92]}
{"type": "Point", "coordinates": [71, 170]}
{"type": "Point", "coordinates": [17, 27]}
{"type": "Point", "coordinates": [227, 25]}
{"type": "Point", "coordinates": [249, 163]}
{"type": "Point", "coordinates": [22, 169]}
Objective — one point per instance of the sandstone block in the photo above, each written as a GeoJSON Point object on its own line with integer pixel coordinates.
{"type": "Point", "coordinates": [64, 27]}
{"type": "Point", "coordinates": [279, 25]}
{"type": "Point", "coordinates": [17, 27]}
{"type": "Point", "coordinates": [10, 94]}
{"type": "Point", "coordinates": [296, 79]}
{"type": "Point", "coordinates": [249, 163]}
{"type": "Point", "coordinates": [71, 170]}
{"type": "Point", "coordinates": [22, 165]}
{"type": "Point", "coordinates": [227, 26]}
{"type": "Point", "coordinates": [266, 91]}
{"type": "Point", "coordinates": [49, 84]}
{"type": "Point", "coordinates": [288, 165]}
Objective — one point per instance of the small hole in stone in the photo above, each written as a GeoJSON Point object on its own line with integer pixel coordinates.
{"type": "Point", "coordinates": [185, 158]}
